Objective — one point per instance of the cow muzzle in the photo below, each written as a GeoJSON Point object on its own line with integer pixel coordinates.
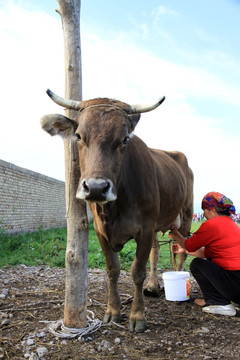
{"type": "Point", "coordinates": [96, 190]}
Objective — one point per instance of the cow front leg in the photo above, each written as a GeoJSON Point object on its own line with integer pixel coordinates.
{"type": "Point", "coordinates": [113, 270]}
{"type": "Point", "coordinates": [137, 321]}
{"type": "Point", "coordinates": [152, 286]}
{"type": "Point", "coordinates": [114, 303]}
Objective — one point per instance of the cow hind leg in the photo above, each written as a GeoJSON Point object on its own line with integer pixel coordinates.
{"type": "Point", "coordinates": [181, 261]}
{"type": "Point", "coordinates": [186, 218]}
{"type": "Point", "coordinates": [174, 261]}
{"type": "Point", "coordinates": [113, 270]}
{"type": "Point", "coordinates": [185, 231]}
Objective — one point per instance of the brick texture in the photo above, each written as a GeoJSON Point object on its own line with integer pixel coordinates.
{"type": "Point", "coordinates": [29, 200]}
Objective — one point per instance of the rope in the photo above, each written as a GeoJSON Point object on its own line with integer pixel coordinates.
{"type": "Point", "coordinates": [58, 329]}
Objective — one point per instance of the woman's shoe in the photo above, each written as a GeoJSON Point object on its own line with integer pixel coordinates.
{"type": "Point", "coordinates": [228, 310]}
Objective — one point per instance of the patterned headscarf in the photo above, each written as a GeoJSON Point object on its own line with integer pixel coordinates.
{"type": "Point", "coordinates": [215, 200]}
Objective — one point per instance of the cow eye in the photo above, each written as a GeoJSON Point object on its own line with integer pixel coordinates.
{"type": "Point", "coordinates": [78, 136]}
{"type": "Point", "coordinates": [125, 140]}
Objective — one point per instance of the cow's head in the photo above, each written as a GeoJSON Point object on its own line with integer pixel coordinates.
{"type": "Point", "coordinates": [102, 132]}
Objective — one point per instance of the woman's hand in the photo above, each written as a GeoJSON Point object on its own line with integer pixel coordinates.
{"type": "Point", "coordinates": [173, 232]}
{"type": "Point", "coordinates": [177, 249]}
{"type": "Point", "coordinates": [175, 235]}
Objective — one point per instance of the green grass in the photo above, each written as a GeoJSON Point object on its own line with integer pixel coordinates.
{"type": "Point", "coordinates": [47, 247]}
{"type": "Point", "coordinates": [40, 247]}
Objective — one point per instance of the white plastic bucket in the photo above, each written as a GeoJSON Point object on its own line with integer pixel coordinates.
{"type": "Point", "coordinates": [176, 285]}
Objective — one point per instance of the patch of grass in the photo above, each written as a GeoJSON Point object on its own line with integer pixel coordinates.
{"type": "Point", "coordinates": [47, 247]}
{"type": "Point", "coordinates": [36, 248]}
{"type": "Point", "coordinates": [96, 258]}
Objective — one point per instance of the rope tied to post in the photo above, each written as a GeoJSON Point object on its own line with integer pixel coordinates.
{"type": "Point", "coordinates": [58, 329]}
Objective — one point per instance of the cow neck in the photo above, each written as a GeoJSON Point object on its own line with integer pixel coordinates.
{"type": "Point", "coordinates": [103, 212]}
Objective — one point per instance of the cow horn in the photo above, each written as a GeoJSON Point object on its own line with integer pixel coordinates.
{"type": "Point", "coordinates": [69, 104]}
{"type": "Point", "coordinates": [136, 109]}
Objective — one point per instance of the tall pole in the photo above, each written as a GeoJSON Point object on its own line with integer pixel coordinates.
{"type": "Point", "coordinates": [75, 310]}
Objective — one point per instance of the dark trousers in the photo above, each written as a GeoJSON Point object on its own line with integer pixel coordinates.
{"type": "Point", "coordinates": [219, 286]}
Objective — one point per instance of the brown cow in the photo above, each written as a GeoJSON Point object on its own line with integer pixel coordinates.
{"type": "Point", "coordinates": [133, 191]}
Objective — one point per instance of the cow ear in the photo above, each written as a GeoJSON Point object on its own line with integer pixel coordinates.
{"type": "Point", "coordinates": [133, 119]}
{"type": "Point", "coordinates": [56, 124]}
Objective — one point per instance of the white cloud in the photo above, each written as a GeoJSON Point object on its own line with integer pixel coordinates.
{"type": "Point", "coordinates": [205, 36]}
{"type": "Point", "coordinates": [28, 66]}
{"type": "Point", "coordinates": [150, 75]}
{"type": "Point", "coordinates": [145, 31]}
{"type": "Point", "coordinates": [162, 10]}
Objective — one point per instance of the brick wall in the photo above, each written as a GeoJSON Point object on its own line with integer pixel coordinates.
{"type": "Point", "coordinates": [29, 200]}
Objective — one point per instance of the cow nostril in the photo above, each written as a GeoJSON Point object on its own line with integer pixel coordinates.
{"type": "Point", "coordinates": [106, 188]}
{"type": "Point", "coordinates": [85, 186]}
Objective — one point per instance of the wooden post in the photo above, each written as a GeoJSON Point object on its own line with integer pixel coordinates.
{"type": "Point", "coordinates": [75, 311]}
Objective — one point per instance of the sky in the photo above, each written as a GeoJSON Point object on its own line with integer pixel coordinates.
{"type": "Point", "coordinates": [134, 51]}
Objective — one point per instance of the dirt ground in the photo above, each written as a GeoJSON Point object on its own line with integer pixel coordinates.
{"type": "Point", "coordinates": [29, 296]}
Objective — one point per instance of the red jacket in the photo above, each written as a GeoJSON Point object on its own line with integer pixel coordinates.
{"type": "Point", "coordinates": [220, 237]}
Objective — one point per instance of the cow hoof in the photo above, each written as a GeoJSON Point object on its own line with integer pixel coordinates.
{"type": "Point", "coordinates": [152, 291]}
{"type": "Point", "coordinates": [138, 326]}
{"type": "Point", "coordinates": [109, 318]}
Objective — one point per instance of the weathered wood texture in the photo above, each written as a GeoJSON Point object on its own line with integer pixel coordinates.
{"type": "Point", "coordinates": [75, 311]}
